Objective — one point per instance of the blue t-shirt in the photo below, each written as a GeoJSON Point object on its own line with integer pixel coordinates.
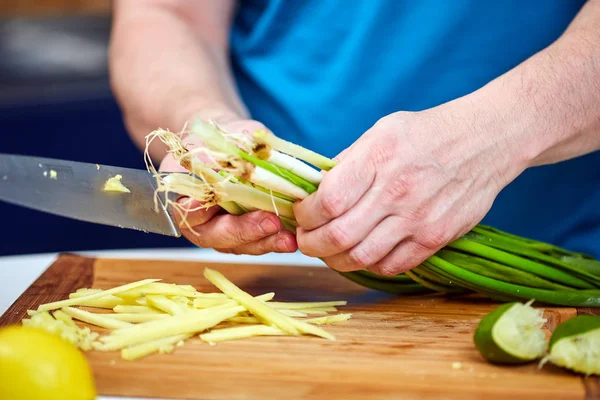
{"type": "Point", "coordinates": [322, 72]}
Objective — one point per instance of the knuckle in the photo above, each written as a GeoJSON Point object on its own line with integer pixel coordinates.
{"type": "Point", "coordinates": [384, 123]}
{"type": "Point", "coordinates": [432, 238]}
{"type": "Point", "coordinates": [398, 188]}
{"type": "Point", "coordinates": [394, 123]}
{"type": "Point", "coordinates": [331, 204]}
{"type": "Point", "coordinates": [381, 154]}
{"type": "Point", "coordinates": [338, 237]}
{"type": "Point", "coordinates": [360, 258]}
{"type": "Point", "coordinates": [386, 269]}
{"type": "Point", "coordinates": [418, 214]}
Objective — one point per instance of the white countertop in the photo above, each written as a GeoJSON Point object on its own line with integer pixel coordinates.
{"type": "Point", "coordinates": [18, 272]}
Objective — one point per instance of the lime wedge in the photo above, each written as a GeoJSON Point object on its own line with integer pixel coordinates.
{"type": "Point", "coordinates": [512, 334]}
{"type": "Point", "coordinates": [575, 345]}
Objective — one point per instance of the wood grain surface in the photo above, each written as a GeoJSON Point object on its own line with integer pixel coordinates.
{"type": "Point", "coordinates": [393, 347]}
{"type": "Point", "coordinates": [37, 8]}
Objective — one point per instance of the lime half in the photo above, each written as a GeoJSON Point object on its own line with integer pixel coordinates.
{"type": "Point", "coordinates": [512, 334]}
{"type": "Point", "coordinates": [575, 345]}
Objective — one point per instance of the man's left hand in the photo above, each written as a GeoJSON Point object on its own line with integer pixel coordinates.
{"type": "Point", "coordinates": [410, 185]}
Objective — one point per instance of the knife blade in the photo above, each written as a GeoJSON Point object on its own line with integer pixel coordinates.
{"type": "Point", "coordinates": [75, 190]}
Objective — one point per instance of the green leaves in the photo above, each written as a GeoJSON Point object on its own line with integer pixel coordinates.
{"type": "Point", "coordinates": [500, 266]}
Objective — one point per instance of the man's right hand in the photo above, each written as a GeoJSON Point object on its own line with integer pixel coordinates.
{"type": "Point", "coordinates": [160, 80]}
{"type": "Point", "coordinates": [255, 233]}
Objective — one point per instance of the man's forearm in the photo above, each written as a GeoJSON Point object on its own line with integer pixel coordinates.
{"type": "Point", "coordinates": [169, 63]}
{"type": "Point", "coordinates": [549, 106]}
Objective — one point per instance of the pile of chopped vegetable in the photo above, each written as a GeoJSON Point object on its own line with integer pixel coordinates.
{"type": "Point", "coordinates": [148, 316]}
{"type": "Point", "coordinates": [242, 173]}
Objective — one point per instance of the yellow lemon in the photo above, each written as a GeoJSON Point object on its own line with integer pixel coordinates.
{"type": "Point", "coordinates": [35, 364]}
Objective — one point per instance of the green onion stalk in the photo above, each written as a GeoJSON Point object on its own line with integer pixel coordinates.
{"type": "Point", "coordinates": [260, 171]}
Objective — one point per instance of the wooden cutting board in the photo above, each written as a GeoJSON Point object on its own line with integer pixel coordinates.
{"type": "Point", "coordinates": [393, 347]}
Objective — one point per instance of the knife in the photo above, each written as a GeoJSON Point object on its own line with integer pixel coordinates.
{"type": "Point", "coordinates": [75, 190]}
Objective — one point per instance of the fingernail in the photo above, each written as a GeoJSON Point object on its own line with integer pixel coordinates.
{"type": "Point", "coordinates": [267, 226]}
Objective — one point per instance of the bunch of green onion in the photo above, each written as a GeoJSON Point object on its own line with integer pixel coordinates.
{"type": "Point", "coordinates": [258, 170]}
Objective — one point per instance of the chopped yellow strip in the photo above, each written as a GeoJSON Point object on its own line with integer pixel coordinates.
{"type": "Point", "coordinates": [83, 292]}
{"type": "Point", "coordinates": [166, 289]}
{"type": "Point", "coordinates": [64, 317]}
{"type": "Point", "coordinates": [196, 313]}
{"type": "Point", "coordinates": [95, 319]}
{"type": "Point", "coordinates": [53, 174]}
{"type": "Point", "coordinates": [103, 302]}
{"type": "Point", "coordinates": [313, 330]}
{"type": "Point", "coordinates": [184, 301]}
{"type": "Point", "coordinates": [292, 313]}
{"type": "Point", "coordinates": [167, 305]}
{"type": "Point", "coordinates": [126, 309]}
{"type": "Point", "coordinates": [307, 305]}
{"type": "Point", "coordinates": [241, 332]}
{"type": "Point", "coordinates": [221, 296]}
{"type": "Point", "coordinates": [330, 319]}
{"type": "Point", "coordinates": [185, 323]}
{"type": "Point", "coordinates": [77, 301]}
{"type": "Point", "coordinates": [107, 301]}
{"type": "Point", "coordinates": [136, 318]}
{"type": "Point", "coordinates": [189, 288]}
{"type": "Point", "coordinates": [269, 315]}
{"type": "Point", "coordinates": [114, 185]}
{"type": "Point", "coordinates": [314, 312]}
{"type": "Point", "coordinates": [204, 303]}
{"type": "Point", "coordinates": [253, 305]}
{"type": "Point", "coordinates": [211, 302]}
{"type": "Point", "coordinates": [317, 310]}
{"type": "Point", "coordinates": [142, 301]}
{"type": "Point", "coordinates": [245, 320]}
{"type": "Point", "coordinates": [164, 345]}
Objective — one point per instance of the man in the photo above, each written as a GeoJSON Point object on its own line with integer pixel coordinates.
{"type": "Point", "coordinates": [442, 113]}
